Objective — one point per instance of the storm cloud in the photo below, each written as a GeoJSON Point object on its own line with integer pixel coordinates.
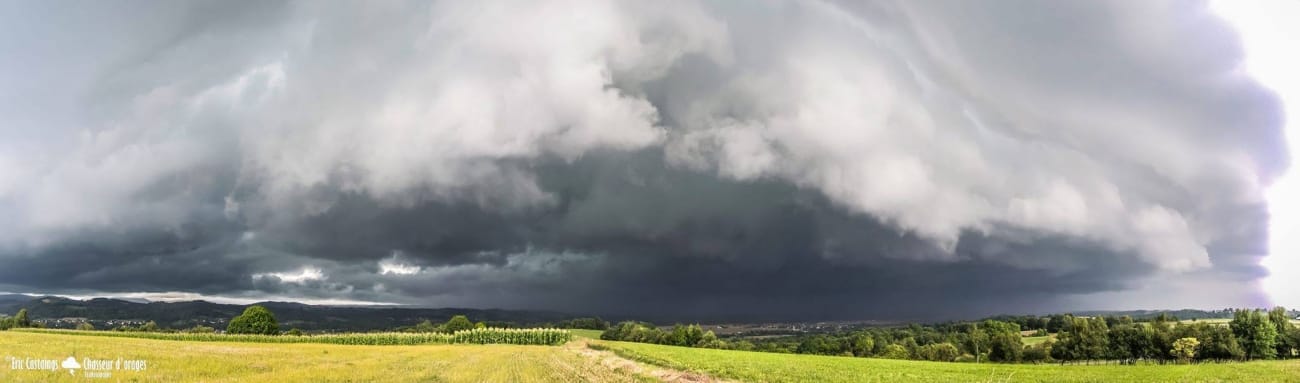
{"type": "Point", "coordinates": [769, 160]}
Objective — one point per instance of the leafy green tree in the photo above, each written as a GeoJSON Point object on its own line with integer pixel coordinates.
{"type": "Point", "coordinates": [977, 342]}
{"type": "Point", "coordinates": [1286, 344]}
{"type": "Point", "coordinates": [618, 332]}
{"type": "Point", "coordinates": [1131, 342]}
{"type": "Point", "coordinates": [1185, 349]}
{"type": "Point", "coordinates": [85, 326]}
{"type": "Point", "coordinates": [21, 320]}
{"type": "Point", "coordinates": [1257, 335]}
{"type": "Point", "coordinates": [908, 343]}
{"type": "Point", "coordinates": [939, 352]}
{"type": "Point", "coordinates": [1058, 323]}
{"type": "Point", "coordinates": [1038, 353]}
{"type": "Point", "coordinates": [1094, 341]}
{"type": "Point", "coordinates": [1083, 339]}
{"type": "Point", "coordinates": [635, 332]}
{"type": "Point", "coordinates": [743, 345]}
{"type": "Point", "coordinates": [1220, 344]}
{"type": "Point", "coordinates": [1005, 347]}
{"type": "Point", "coordinates": [694, 334]}
{"type": "Point", "coordinates": [457, 323]}
{"type": "Point", "coordinates": [1162, 337]}
{"type": "Point", "coordinates": [425, 326]}
{"type": "Point", "coordinates": [894, 351]}
{"type": "Point", "coordinates": [294, 332]}
{"type": "Point", "coordinates": [710, 340]}
{"type": "Point", "coordinates": [823, 345]}
{"type": "Point", "coordinates": [149, 326]}
{"type": "Point", "coordinates": [254, 320]}
{"type": "Point", "coordinates": [863, 344]}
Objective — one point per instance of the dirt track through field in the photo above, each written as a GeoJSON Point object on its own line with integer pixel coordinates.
{"type": "Point", "coordinates": [614, 362]}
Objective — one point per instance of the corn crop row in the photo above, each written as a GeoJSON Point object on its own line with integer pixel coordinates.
{"type": "Point", "coordinates": [475, 336]}
{"type": "Point", "coordinates": [539, 336]}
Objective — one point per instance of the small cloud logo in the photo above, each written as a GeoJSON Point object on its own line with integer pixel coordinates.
{"type": "Point", "coordinates": [71, 364]}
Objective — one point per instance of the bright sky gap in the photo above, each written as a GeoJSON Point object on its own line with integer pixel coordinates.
{"type": "Point", "coordinates": [1268, 32]}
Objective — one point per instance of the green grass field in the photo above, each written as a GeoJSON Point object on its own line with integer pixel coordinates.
{"type": "Point", "coordinates": [190, 361]}
{"type": "Point", "coordinates": [1033, 340]}
{"type": "Point", "coordinates": [768, 367]}
{"type": "Point", "coordinates": [589, 334]}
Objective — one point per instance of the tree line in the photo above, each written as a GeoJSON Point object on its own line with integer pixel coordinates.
{"type": "Point", "coordinates": [680, 335]}
{"type": "Point", "coordinates": [19, 320]}
{"type": "Point", "coordinates": [1250, 335]}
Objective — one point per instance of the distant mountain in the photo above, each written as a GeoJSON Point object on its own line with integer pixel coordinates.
{"type": "Point", "coordinates": [108, 312]}
{"type": "Point", "coordinates": [11, 299]}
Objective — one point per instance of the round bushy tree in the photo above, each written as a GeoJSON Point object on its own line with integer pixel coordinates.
{"type": "Point", "coordinates": [254, 320]}
{"type": "Point", "coordinates": [895, 351]}
{"type": "Point", "coordinates": [21, 320]}
{"type": "Point", "coordinates": [457, 323]}
{"type": "Point", "coordinates": [1185, 349]}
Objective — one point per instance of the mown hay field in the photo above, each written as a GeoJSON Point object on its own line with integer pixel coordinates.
{"type": "Point", "coordinates": [191, 361]}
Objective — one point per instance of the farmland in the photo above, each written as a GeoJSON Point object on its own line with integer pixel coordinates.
{"type": "Point", "coordinates": [770, 367]}
{"type": "Point", "coordinates": [189, 361]}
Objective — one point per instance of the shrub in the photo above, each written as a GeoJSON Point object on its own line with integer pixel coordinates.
{"type": "Point", "coordinates": [85, 326]}
{"type": "Point", "coordinates": [254, 320]}
{"type": "Point", "coordinates": [294, 332]}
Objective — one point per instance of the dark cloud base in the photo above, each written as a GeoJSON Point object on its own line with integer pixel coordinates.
{"type": "Point", "coordinates": [623, 237]}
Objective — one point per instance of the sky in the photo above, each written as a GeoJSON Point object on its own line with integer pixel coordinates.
{"type": "Point", "coordinates": [766, 160]}
{"type": "Point", "coordinates": [1267, 33]}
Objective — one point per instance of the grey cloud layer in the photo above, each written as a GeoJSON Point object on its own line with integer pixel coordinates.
{"type": "Point", "coordinates": [740, 160]}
